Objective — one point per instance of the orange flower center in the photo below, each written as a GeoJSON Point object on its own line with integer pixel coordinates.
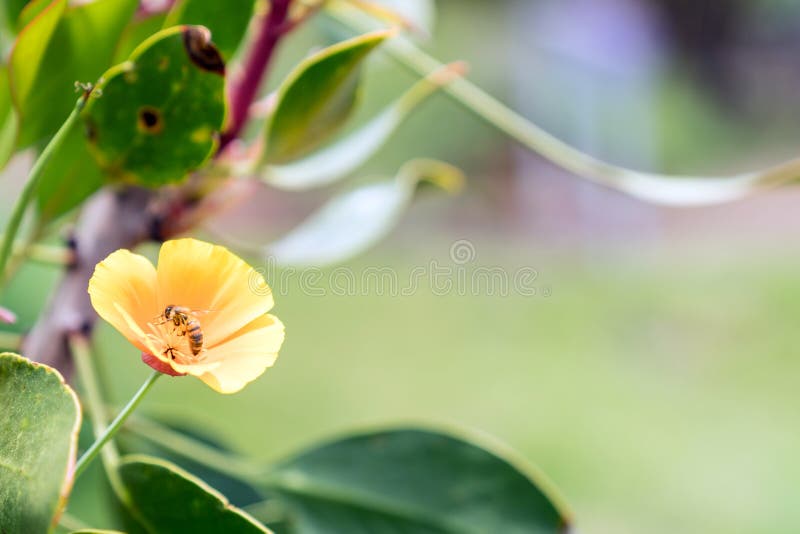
{"type": "Point", "coordinates": [173, 341]}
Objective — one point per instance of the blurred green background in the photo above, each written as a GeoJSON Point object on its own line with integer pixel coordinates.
{"type": "Point", "coordinates": [653, 376]}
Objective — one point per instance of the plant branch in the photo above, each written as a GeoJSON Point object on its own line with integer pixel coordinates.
{"type": "Point", "coordinates": [244, 88]}
{"type": "Point", "coordinates": [31, 186]}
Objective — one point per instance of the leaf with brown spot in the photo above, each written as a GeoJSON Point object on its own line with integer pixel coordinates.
{"type": "Point", "coordinates": [159, 113]}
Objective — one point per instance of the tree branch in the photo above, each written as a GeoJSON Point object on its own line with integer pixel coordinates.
{"type": "Point", "coordinates": [244, 87]}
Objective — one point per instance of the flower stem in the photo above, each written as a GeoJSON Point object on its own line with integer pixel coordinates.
{"type": "Point", "coordinates": [79, 345]}
{"type": "Point", "coordinates": [115, 425]}
{"type": "Point", "coordinates": [32, 185]}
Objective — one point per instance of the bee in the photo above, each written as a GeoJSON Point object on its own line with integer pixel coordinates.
{"type": "Point", "coordinates": [186, 322]}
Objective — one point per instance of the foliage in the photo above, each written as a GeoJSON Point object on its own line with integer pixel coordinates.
{"type": "Point", "coordinates": [151, 112]}
{"type": "Point", "coordinates": [153, 148]}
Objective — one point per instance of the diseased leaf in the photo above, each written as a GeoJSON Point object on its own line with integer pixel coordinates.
{"type": "Point", "coordinates": [227, 20]}
{"type": "Point", "coordinates": [39, 423]}
{"type": "Point", "coordinates": [159, 113]}
{"type": "Point", "coordinates": [167, 500]}
{"type": "Point", "coordinates": [61, 45]}
{"type": "Point", "coordinates": [353, 221]}
{"type": "Point", "coordinates": [316, 98]}
{"type": "Point", "coordinates": [346, 155]}
{"type": "Point", "coordinates": [412, 480]}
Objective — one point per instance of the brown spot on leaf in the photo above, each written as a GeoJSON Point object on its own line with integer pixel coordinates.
{"type": "Point", "coordinates": [150, 120]}
{"type": "Point", "coordinates": [202, 52]}
{"type": "Point", "coordinates": [91, 131]}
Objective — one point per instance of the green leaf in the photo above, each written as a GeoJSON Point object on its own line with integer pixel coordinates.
{"type": "Point", "coordinates": [61, 45]}
{"type": "Point", "coordinates": [159, 113]}
{"type": "Point", "coordinates": [8, 119]}
{"type": "Point", "coordinates": [227, 20]}
{"type": "Point", "coordinates": [413, 480]}
{"type": "Point", "coordinates": [29, 50]}
{"type": "Point", "coordinates": [39, 423]}
{"type": "Point", "coordinates": [317, 97]}
{"type": "Point", "coordinates": [166, 500]}
{"type": "Point", "coordinates": [353, 221]}
{"type": "Point", "coordinates": [12, 10]}
{"type": "Point", "coordinates": [95, 531]}
{"type": "Point", "coordinates": [70, 177]}
{"type": "Point", "coordinates": [346, 155]}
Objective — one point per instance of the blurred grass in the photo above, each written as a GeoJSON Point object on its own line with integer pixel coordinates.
{"type": "Point", "coordinates": [659, 396]}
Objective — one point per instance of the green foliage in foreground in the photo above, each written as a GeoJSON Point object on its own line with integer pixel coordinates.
{"type": "Point", "coordinates": [407, 480]}
{"type": "Point", "coordinates": [39, 421]}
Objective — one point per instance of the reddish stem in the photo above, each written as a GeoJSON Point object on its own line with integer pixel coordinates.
{"type": "Point", "coordinates": [244, 89]}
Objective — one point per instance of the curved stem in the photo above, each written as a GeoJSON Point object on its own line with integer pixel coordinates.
{"type": "Point", "coordinates": [653, 187]}
{"type": "Point", "coordinates": [115, 425]}
{"type": "Point", "coordinates": [31, 186]}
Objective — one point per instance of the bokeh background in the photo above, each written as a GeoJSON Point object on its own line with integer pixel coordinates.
{"type": "Point", "coordinates": [653, 376]}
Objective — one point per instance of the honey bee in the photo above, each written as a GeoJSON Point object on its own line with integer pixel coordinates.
{"type": "Point", "coordinates": [186, 322]}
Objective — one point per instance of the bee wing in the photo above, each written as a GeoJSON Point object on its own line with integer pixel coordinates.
{"type": "Point", "coordinates": [201, 312]}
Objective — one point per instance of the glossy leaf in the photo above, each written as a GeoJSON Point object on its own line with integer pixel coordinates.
{"type": "Point", "coordinates": [167, 500]}
{"type": "Point", "coordinates": [69, 178]}
{"type": "Point", "coordinates": [353, 221]}
{"type": "Point", "coordinates": [95, 531]}
{"type": "Point", "coordinates": [8, 119]}
{"type": "Point", "coordinates": [227, 20]}
{"type": "Point", "coordinates": [317, 97]}
{"type": "Point", "coordinates": [160, 112]}
{"type": "Point", "coordinates": [411, 480]}
{"type": "Point", "coordinates": [61, 45]}
{"type": "Point", "coordinates": [346, 155]}
{"type": "Point", "coordinates": [39, 423]}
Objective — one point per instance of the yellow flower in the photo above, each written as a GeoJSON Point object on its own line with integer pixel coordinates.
{"type": "Point", "coordinates": [219, 293]}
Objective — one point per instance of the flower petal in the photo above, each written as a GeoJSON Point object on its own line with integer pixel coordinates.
{"type": "Point", "coordinates": [202, 276]}
{"type": "Point", "coordinates": [159, 365]}
{"type": "Point", "coordinates": [126, 281]}
{"type": "Point", "coordinates": [245, 356]}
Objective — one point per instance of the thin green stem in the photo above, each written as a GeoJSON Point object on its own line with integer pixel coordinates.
{"type": "Point", "coordinates": [654, 187]}
{"type": "Point", "coordinates": [178, 443]}
{"type": "Point", "coordinates": [32, 185]}
{"type": "Point", "coordinates": [115, 425]}
{"type": "Point", "coordinates": [10, 341]}
{"type": "Point", "coordinates": [81, 352]}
